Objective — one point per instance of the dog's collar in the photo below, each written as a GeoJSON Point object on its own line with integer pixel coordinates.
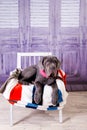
{"type": "Point", "coordinates": [42, 72]}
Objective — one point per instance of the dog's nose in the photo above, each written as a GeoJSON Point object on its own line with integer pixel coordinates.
{"type": "Point", "coordinates": [52, 67]}
{"type": "Point", "coordinates": [52, 75]}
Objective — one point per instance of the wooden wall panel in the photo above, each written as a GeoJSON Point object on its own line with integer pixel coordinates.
{"type": "Point", "coordinates": [8, 62]}
{"type": "Point", "coordinates": [68, 44]}
{"type": "Point", "coordinates": [71, 61]}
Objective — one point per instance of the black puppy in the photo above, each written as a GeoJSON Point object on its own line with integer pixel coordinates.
{"type": "Point", "coordinates": [45, 72]}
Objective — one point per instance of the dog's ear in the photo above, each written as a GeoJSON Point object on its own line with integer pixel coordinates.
{"type": "Point", "coordinates": [41, 63]}
{"type": "Point", "coordinates": [44, 59]}
{"type": "Point", "coordinates": [57, 62]}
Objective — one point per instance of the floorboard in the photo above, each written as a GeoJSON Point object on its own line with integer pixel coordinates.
{"type": "Point", "coordinates": [74, 115]}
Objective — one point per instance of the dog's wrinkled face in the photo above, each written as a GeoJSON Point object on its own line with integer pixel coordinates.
{"type": "Point", "coordinates": [51, 65]}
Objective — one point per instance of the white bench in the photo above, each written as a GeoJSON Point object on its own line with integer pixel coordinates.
{"type": "Point", "coordinates": [19, 61]}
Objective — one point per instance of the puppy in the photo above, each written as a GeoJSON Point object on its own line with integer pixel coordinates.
{"type": "Point", "coordinates": [45, 72]}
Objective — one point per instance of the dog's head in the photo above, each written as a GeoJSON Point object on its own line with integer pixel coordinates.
{"type": "Point", "coordinates": [50, 65]}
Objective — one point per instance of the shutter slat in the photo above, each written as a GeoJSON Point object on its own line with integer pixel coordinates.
{"type": "Point", "coordinates": [70, 13]}
{"type": "Point", "coordinates": [39, 10]}
{"type": "Point", "coordinates": [8, 13]}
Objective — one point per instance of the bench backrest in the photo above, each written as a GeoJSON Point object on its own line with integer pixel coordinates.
{"type": "Point", "coordinates": [25, 59]}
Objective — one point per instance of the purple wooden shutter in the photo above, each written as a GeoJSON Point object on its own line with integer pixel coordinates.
{"type": "Point", "coordinates": [70, 11]}
{"type": "Point", "coordinates": [8, 13]}
{"type": "Point", "coordinates": [39, 13]}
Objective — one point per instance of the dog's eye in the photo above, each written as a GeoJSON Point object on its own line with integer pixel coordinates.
{"type": "Point", "coordinates": [48, 64]}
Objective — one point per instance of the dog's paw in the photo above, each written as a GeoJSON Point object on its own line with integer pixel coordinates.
{"type": "Point", "coordinates": [55, 99]}
{"type": "Point", "coordinates": [37, 97]}
{"type": "Point", "coordinates": [38, 92]}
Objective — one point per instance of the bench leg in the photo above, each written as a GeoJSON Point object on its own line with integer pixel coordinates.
{"type": "Point", "coordinates": [60, 116]}
{"type": "Point", "coordinates": [11, 115]}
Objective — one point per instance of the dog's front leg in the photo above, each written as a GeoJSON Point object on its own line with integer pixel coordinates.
{"type": "Point", "coordinates": [38, 92]}
{"type": "Point", "coordinates": [54, 94]}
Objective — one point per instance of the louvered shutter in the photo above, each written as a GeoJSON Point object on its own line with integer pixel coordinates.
{"type": "Point", "coordinates": [70, 11]}
{"type": "Point", "coordinates": [8, 13]}
{"type": "Point", "coordinates": [39, 13]}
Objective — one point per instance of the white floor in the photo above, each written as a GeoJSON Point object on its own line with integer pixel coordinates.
{"type": "Point", "coordinates": [74, 116]}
